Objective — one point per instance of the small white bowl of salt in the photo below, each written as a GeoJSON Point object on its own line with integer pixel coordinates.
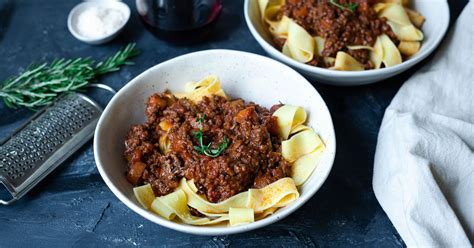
{"type": "Point", "coordinates": [97, 22]}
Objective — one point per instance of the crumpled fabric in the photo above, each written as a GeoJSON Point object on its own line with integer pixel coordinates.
{"type": "Point", "coordinates": [424, 161]}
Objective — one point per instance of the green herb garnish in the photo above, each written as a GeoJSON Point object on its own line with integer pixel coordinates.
{"type": "Point", "coordinates": [40, 84]}
{"type": "Point", "coordinates": [351, 6]}
{"type": "Point", "coordinates": [206, 149]}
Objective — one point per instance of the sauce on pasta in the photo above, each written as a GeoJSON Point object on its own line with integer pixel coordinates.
{"type": "Point", "coordinates": [339, 27]}
{"type": "Point", "coordinates": [345, 35]}
{"type": "Point", "coordinates": [252, 158]}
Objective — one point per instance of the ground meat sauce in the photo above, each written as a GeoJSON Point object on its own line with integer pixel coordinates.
{"type": "Point", "coordinates": [339, 27]}
{"type": "Point", "coordinates": [251, 160]}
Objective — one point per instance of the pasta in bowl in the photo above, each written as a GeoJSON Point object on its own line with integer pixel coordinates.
{"type": "Point", "coordinates": [242, 75]}
{"type": "Point", "coordinates": [203, 158]}
{"type": "Point", "coordinates": [346, 36]}
{"type": "Point", "coordinates": [348, 42]}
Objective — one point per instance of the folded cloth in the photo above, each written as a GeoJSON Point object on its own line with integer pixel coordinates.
{"type": "Point", "coordinates": [424, 161]}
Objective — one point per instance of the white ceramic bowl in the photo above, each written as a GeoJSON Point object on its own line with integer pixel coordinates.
{"type": "Point", "coordinates": [245, 75]}
{"type": "Point", "coordinates": [117, 5]}
{"type": "Point", "coordinates": [436, 13]}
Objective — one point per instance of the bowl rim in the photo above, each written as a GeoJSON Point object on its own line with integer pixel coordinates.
{"type": "Point", "coordinates": [124, 8]}
{"type": "Point", "coordinates": [212, 230]}
{"type": "Point", "coordinates": [271, 50]}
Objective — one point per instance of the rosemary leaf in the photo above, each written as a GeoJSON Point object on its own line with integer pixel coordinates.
{"type": "Point", "coordinates": [351, 6]}
{"type": "Point", "coordinates": [206, 149]}
{"type": "Point", "coordinates": [40, 84]}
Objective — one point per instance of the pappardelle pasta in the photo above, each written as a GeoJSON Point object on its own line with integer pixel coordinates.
{"type": "Point", "coordinates": [202, 158]}
{"type": "Point", "coordinates": [346, 35]}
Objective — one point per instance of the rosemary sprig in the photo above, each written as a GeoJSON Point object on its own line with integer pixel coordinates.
{"type": "Point", "coordinates": [40, 84]}
{"type": "Point", "coordinates": [206, 149]}
{"type": "Point", "coordinates": [350, 6]}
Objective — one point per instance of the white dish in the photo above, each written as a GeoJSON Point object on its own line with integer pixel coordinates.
{"type": "Point", "coordinates": [109, 4]}
{"type": "Point", "coordinates": [245, 75]}
{"type": "Point", "coordinates": [436, 13]}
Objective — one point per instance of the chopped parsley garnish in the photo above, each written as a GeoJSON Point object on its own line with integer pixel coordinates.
{"type": "Point", "coordinates": [350, 6]}
{"type": "Point", "coordinates": [206, 149]}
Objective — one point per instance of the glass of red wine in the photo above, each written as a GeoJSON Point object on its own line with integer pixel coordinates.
{"type": "Point", "coordinates": [181, 21]}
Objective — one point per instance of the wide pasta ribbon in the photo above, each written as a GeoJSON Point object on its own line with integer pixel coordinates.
{"type": "Point", "coordinates": [385, 52]}
{"type": "Point", "coordinates": [300, 144]}
{"type": "Point", "coordinates": [175, 204]}
{"type": "Point", "coordinates": [264, 5]}
{"type": "Point", "coordinates": [288, 118]}
{"type": "Point", "coordinates": [277, 194]}
{"type": "Point", "coordinates": [399, 21]}
{"type": "Point", "coordinates": [270, 14]}
{"type": "Point", "coordinates": [345, 62]}
{"type": "Point", "coordinates": [305, 165]}
{"type": "Point", "coordinates": [299, 44]}
{"type": "Point", "coordinates": [208, 86]}
{"type": "Point", "coordinates": [304, 148]}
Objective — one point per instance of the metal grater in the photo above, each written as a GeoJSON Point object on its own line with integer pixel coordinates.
{"type": "Point", "coordinates": [45, 141]}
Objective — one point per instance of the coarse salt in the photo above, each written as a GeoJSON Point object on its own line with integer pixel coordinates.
{"type": "Point", "coordinates": [98, 22]}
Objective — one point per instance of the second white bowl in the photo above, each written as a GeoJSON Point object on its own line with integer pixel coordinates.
{"type": "Point", "coordinates": [436, 13]}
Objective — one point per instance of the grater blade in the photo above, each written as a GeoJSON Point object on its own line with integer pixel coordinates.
{"type": "Point", "coordinates": [46, 140]}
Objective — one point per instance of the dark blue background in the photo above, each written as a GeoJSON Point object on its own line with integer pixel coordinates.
{"type": "Point", "coordinates": [74, 207]}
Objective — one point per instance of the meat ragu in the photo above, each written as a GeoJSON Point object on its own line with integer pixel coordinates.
{"type": "Point", "coordinates": [252, 158]}
{"type": "Point", "coordinates": [339, 27]}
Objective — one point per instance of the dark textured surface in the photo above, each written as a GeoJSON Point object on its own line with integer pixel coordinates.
{"type": "Point", "coordinates": [74, 207]}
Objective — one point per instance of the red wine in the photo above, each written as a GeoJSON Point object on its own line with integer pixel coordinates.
{"type": "Point", "coordinates": [181, 21]}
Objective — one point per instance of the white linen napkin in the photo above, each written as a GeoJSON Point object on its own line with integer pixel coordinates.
{"type": "Point", "coordinates": [424, 161]}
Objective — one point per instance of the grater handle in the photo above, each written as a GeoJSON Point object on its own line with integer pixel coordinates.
{"type": "Point", "coordinates": [7, 202]}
